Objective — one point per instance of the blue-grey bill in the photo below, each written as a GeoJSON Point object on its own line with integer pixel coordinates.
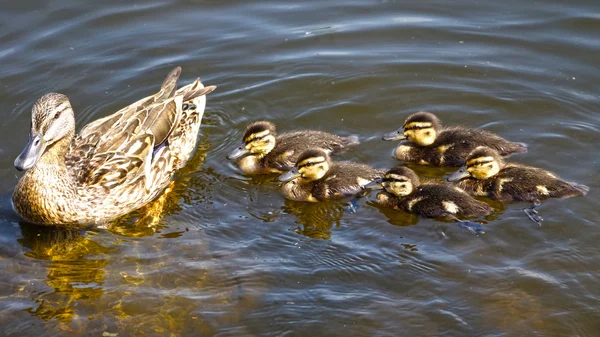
{"type": "Point", "coordinates": [289, 175]}
{"type": "Point", "coordinates": [394, 135]}
{"type": "Point", "coordinates": [462, 173]}
{"type": "Point", "coordinates": [31, 153]}
{"type": "Point", "coordinates": [237, 153]}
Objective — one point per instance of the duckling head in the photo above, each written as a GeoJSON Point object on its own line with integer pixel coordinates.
{"type": "Point", "coordinates": [52, 119]}
{"type": "Point", "coordinates": [420, 128]}
{"type": "Point", "coordinates": [400, 181]}
{"type": "Point", "coordinates": [311, 165]}
{"type": "Point", "coordinates": [258, 140]}
{"type": "Point", "coordinates": [481, 163]}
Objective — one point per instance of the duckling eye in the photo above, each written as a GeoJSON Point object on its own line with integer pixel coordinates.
{"type": "Point", "coordinates": [56, 115]}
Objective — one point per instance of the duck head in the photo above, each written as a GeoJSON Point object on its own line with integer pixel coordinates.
{"type": "Point", "coordinates": [481, 163]}
{"type": "Point", "coordinates": [311, 165]}
{"type": "Point", "coordinates": [420, 128]}
{"type": "Point", "coordinates": [52, 119]}
{"type": "Point", "coordinates": [258, 140]}
{"type": "Point", "coordinates": [399, 181]}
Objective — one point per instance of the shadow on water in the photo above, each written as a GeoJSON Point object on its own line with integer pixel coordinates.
{"type": "Point", "coordinates": [75, 268]}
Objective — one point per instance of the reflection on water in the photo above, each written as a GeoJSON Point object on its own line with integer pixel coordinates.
{"type": "Point", "coordinates": [186, 187]}
{"type": "Point", "coordinates": [75, 269]}
{"type": "Point", "coordinates": [316, 219]}
{"type": "Point", "coordinates": [395, 217]}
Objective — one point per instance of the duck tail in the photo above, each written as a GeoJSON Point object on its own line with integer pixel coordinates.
{"type": "Point", "coordinates": [350, 141]}
{"type": "Point", "coordinates": [581, 188]}
{"type": "Point", "coordinates": [520, 147]}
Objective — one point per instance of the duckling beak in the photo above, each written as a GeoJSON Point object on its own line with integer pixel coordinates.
{"type": "Point", "coordinates": [31, 153]}
{"type": "Point", "coordinates": [375, 184]}
{"type": "Point", "coordinates": [462, 173]}
{"type": "Point", "coordinates": [394, 135]}
{"type": "Point", "coordinates": [290, 175]}
{"type": "Point", "coordinates": [238, 152]}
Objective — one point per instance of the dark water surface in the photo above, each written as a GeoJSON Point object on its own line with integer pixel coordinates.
{"type": "Point", "coordinates": [232, 258]}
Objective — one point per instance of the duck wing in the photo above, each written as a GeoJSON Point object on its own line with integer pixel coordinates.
{"type": "Point", "coordinates": [122, 146]}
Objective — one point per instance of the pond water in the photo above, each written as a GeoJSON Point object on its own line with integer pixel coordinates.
{"type": "Point", "coordinates": [231, 257]}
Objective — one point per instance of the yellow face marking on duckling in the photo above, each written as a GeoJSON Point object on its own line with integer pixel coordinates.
{"type": "Point", "coordinates": [261, 145]}
{"type": "Point", "coordinates": [420, 133]}
{"type": "Point", "coordinates": [313, 168]}
{"type": "Point", "coordinates": [256, 135]}
{"type": "Point", "coordinates": [450, 207]}
{"type": "Point", "coordinates": [479, 161]}
{"type": "Point", "coordinates": [542, 190]}
{"type": "Point", "coordinates": [311, 161]}
{"type": "Point", "coordinates": [397, 185]}
{"type": "Point", "coordinates": [483, 167]}
{"type": "Point", "coordinates": [413, 202]}
{"type": "Point", "coordinates": [417, 125]}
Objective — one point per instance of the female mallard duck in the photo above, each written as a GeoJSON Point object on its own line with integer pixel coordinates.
{"type": "Point", "coordinates": [430, 144]}
{"type": "Point", "coordinates": [115, 165]}
{"type": "Point", "coordinates": [263, 151]}
{"type": "Point", "coordinates": [404, 191]}
{"type": "Point", "coordinates": [316, 178]}
{"type": "Point", "coordinates": [486, 174]}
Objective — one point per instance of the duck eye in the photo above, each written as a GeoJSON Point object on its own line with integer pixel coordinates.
{"type": "Point", "coordinates": [56, 115]}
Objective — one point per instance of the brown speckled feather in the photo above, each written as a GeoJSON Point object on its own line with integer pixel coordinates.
{"type": "Point", "coordinates": [522, 183]}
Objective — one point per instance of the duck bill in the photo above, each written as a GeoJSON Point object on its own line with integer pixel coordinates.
{"type": "Point", "coordinates": [290, 175]}
{"type": "Point", "coordinates": [240, 151]}
{"type": "Point", "coordinates": [374, 185]}
{"type": "Point", "coordinates": [462, 173]}
{"type": "Point", "coordinates": [394, 135]}
{"type": "Point", "coordinates": [31, 153]}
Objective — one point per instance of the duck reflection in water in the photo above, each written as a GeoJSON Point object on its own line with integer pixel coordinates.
{"type": "Point", "coordinates": [75, 267]}
{"type": "Point", "coordinates": [316, 219]}
{"type": "Point", "coordinates": [189, 186]}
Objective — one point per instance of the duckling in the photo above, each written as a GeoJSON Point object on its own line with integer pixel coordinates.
{"type": "Point", "coordinates": [404, 191]}
{"type": "Point", "coordinates": [486, 174]}
{"type": "Point", "coordinates": [428, 143]}
{"type": "Point", "coordinates": [263, 151]}
{"type": "Point", "coordinates": [315, 178]}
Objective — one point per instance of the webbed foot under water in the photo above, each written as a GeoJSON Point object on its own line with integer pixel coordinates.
{"type": "Point", "coordinates": [532, 213]}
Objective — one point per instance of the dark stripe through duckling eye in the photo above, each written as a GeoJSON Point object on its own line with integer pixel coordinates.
{"type": "Point", "coordinates": [481, 163]}
{"type": "Point", "coordinates": [390, 179]}
{"type": "Point", "coordinates": [311, 162]}
{"type": "Point", "coordinates": [257, 135]}
{"type": "Point", "coordinates": [417, 127]}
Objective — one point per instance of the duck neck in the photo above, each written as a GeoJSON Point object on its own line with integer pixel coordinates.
{"type": "Point", "coordinates": [51, 169]}
{"type": "Point", "coordinates": [47, 193]}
